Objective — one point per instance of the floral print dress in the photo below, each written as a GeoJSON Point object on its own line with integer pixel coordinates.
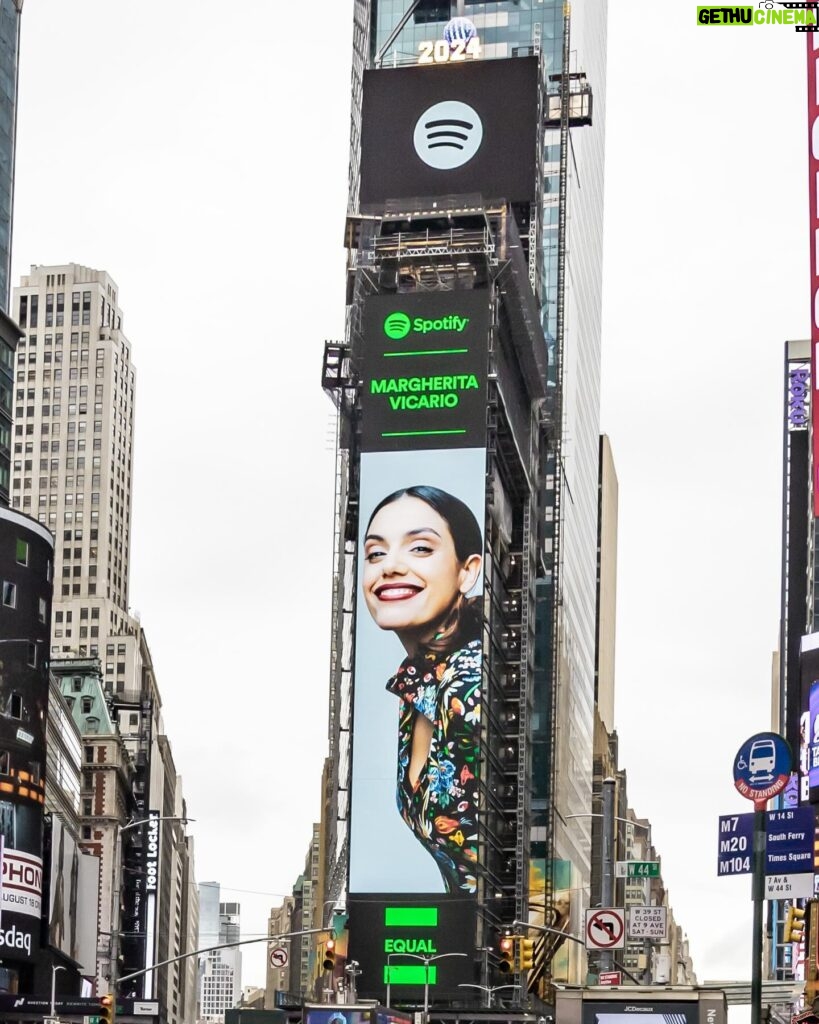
{"type": "Point", "coordinates": [442, 807]}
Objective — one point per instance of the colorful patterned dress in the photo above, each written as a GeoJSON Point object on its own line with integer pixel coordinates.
{"type": "Point", "coordinates": [442, 808]}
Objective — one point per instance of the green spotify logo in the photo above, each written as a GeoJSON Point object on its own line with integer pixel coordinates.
{"type": "Point", "coordinates": [397, 326]}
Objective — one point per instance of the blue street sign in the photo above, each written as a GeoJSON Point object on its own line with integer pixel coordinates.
{"type": "Point", "coordinates": [762, 767]}
{"type": "Point", "coordinates": [735, 844]}
{"type": "Point", "coordinates": [789, 842]}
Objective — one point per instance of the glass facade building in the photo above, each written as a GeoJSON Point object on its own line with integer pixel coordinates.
{"type": "Point", "coordinates": [563, 694]}
{"type": "Point", "coordinates": [9, 51]}
{"type": "Point", "coordinates": [9, 335]}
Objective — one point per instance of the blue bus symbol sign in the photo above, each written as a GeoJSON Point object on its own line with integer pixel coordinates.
{"type": "Point", "coordinates": [762, 767]}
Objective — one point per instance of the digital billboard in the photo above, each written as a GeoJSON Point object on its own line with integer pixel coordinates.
{"type": "Point", "coordinates": [451, 130]}
{"type": "Point", "coordinates": [809, 738]}
{"type": "Point", "coordinates": [73, 899]}
{"type": "Point", "coordinates": [418, 646]}
{"type": "Point", "coordinates": [812, 49]}
{"type": "Point", "coordinates": [26, 558]}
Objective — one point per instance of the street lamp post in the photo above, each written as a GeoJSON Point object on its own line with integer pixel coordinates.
{"type": "Point", "coordinates": [490, 990]}
{"type": "Point", "coordinates": [54, 969]}
{"type": "Point", "coordinates": [426, 961]}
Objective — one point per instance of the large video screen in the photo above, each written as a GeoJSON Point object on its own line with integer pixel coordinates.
{"type": "Point", "coordinates": [467, 128]}
{"type": "Point", "coordinates": [415, 800]}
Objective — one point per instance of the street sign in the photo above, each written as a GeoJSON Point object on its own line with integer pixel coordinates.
{"type": "Point", "coordinates": [278, 957]}
{"type": "Point", "coordinates": [735, 844]}
{"type": "Point", "coordinates": [610, 978]}
{"type": "Point", "coordinates": [637, 869]}
{"type": "Point", "coordinates": [789, 842]}
{"type": "Point", "coordinates": [788, 887]}
{"type": "Point", "coordinates": [762, 767]}
{"type": "Point", "coordinates": [606, 928]}
{"type": "Point", "coordinates": [647, 922]}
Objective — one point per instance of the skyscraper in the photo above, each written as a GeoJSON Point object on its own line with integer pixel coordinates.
{"type": "Point", "coordinates": [220, 985]}
{"type": "Point", "coordinates": [9, 334]}
{"type": "Point", "coordinates": [73, 447]}
{"type": "Point", "coordinates": [541, 713]}
{"type": "Point", "coordinates": [10, 11]}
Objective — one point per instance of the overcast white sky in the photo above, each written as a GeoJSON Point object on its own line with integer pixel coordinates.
{"type": "Point", "coordinates": [198, 152]}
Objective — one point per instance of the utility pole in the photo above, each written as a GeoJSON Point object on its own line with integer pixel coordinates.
{"type": "Point", "coordinates": [607, 866]}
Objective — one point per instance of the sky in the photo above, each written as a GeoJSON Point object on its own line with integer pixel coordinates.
{"type": "Point", "coordinates": [197, 151]}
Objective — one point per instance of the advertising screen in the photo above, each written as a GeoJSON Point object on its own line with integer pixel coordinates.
{"type": "Point", "coordinates": [644, 1011]}
{"type": "Point", "coordinates": [418, 645]}
{"type": "Point", "coordinates": [470, 128]}
{"type": "Point", "coordinates": [74, 897]}
{"type": "Point", "coordinates": [809, 738]}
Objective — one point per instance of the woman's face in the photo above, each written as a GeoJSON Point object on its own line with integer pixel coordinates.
{"type": "Point", "coordinates": [412, 576]}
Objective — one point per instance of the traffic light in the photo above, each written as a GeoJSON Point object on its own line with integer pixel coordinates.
{"type": "Point", "coordinates": [108, 1009]}
{"type": "Point", "coordinates": [794, 930]}
{"type": "Point", "coordinates": [329, 961]}
{"type": "Point", "coordinates": [507, 952]}
{"type": "Point", "coordinates": [527, 954]}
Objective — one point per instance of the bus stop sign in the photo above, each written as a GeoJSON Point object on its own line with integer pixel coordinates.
{"type": "Point", "coordinates": [762, 767]}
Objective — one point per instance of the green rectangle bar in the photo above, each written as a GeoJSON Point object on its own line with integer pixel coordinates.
{"type": "Point", "coordinates": [411, 917]}
{"type": "Point", "coordinates": [643, 868]}
{"type": "Point", "coordinates": [409, 974]}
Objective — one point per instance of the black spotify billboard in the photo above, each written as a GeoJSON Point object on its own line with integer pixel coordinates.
{"type": "Point", "coordinates": [471, 127]}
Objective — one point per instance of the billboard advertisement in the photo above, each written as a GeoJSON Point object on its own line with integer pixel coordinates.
{"type": "Point", "coordinates": [812, 43]}
{"type": "Point", "coordinates": [26, 555]}
{"type": "Point", "coordinates": [73, 899]}
{"type": "Point", "coordinates": [809, 732]}
{"type": "Point", "coordinates": [418, 645]}
{"type": "Point", "coordinates": [432, 131]}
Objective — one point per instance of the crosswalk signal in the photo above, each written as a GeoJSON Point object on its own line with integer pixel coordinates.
{"type": "Point", "coordinates": [527, 954]}
{"type": "Point", "coordinates": [507, 952]}
{"type": "Point", "coordinates": [108, 1009]}
{"type": "Point", "coordinates": [329, 961]}
{"type": "Point", "coordinates": [794, 925]}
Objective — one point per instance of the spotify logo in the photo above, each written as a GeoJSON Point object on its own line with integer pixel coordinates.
{"type": "Point", "coordinates": [397, 326]}
{"type": "Point", "coordinates": [448, 135]}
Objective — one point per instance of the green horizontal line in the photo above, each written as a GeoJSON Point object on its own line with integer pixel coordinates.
{"type": "Point", "coordinates": [411, 974]}
{"type": "Point", "coordinates": [420, 433]}
{"type": "Point", "coordinates": [412, 917]}
{"type": "Point", "coordinates": [427, 352]}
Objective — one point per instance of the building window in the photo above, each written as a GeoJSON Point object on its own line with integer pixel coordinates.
{"type": "Point", "coordinates": [41, 609]}
{"type": "Point", "coordinates": [32, 655]}
{"type": "Point", "coordinates": [87, 705]}
{"type": "Point", "coordinates": [16, 706]}
{"type": "Point", "coordinates": [88, 754]}
{"type": "Point", "coordinates": [9, 594]}
{"type": "Point", "coordinates": [87, 808]}
{"type": "Point", "coordinates": [22, 552]}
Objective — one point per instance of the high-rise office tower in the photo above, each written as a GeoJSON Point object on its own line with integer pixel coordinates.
{"type": "Point", "coordinates": [9, 334]}
{"type": "Point", "coordinates": [220, 979]}
{"type": "Point", "coordinates": [10, 11]}
{"type": "Point", "coordinates": [72, 458]}
{"type": "Point", "coordinates": [415, 229]}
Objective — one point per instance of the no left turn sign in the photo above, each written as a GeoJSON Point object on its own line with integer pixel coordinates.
{"type": "Point", "coordinates": [606, 928]}
{"type": "Point", "coordinates": [278, 957]}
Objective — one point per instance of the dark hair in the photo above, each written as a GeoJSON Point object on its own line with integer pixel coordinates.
{"type": "Point", "coordinates": [465, 621]}
{"type": "Point", "coordinates": [466, 534]}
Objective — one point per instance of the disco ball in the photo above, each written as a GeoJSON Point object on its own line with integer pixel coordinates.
{"type": "Point", "coordinates": [459, 29]}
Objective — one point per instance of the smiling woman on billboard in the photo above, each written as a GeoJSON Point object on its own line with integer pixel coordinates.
{"type": "Point", "coordinates": [422, 556]}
